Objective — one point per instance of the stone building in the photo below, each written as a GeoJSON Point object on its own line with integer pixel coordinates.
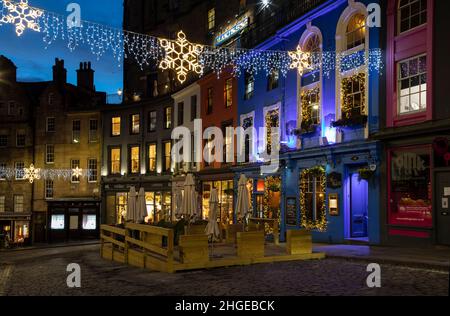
{"type": "Point", "coordinates": [16, 153]}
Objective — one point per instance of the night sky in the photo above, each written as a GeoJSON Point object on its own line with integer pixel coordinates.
{"type": "Point", "coordinates": [34, 62]}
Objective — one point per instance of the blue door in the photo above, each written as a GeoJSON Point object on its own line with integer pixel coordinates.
{"type": "Point", "coordinates": [359, 193]}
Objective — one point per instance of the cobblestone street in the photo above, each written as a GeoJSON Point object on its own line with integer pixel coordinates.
{"type": "Point", "coordinates": [43, 272]}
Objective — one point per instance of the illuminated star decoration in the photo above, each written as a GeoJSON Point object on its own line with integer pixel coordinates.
{"type": "Point", "coordinates": [22, 16]}
{"type": "Point", "coordinates": [300, 60]}
{"type": "Point", "coordinates": [32, 173]}
{"type": "Point", "coordinates": [77, 172]}
{"type": "Point", "coordinates": [181, 56]}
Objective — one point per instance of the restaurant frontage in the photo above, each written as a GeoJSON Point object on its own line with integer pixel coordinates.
{"type": "Point", "coordinates": [17, 227]}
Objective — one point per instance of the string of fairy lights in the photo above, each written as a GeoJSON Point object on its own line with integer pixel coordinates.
{"type": "Point", "coordinates": [179, 55]}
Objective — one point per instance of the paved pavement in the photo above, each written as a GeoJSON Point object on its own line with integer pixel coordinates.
{"type": "Point", "coordinates": [43, 272]}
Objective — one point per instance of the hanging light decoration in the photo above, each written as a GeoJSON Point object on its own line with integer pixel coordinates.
{"type": "Point", "coordinates": [32, 173]}
{"type": "Point", "coordinates": [300, 60]}
{"type": "Point", "coordinates": [22, 16]}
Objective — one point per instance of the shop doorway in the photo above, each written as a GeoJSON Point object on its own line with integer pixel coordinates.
{"type": "Point", "coordinates": [443, 208]}
{"type": "Point", "coordinates": [359, 207]}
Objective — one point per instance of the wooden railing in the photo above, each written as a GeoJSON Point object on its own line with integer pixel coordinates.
{"type": "Point", "coordinates": [149, 247]}
{"type": "Point", "coordinates": [113, 243]}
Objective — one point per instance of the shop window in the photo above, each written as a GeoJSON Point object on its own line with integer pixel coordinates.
{"type": "Point", "coordinates": [115, 161]}
{"type": "Point", "coordinates": [152, 158]}
{"type": "Point", "coordinates": [411, 188]}
{"type": "Point", "coordinates": [115, 126]}
{"type": "Point", "coordinates": [312, 198]}
{"type": "Point", "coordinates": [76, 131]}
{"type": "Point", "coordinates": [412, 85]}
{"type": "Point", "coordinates": [89, 222]}
{"type": "Point", "coordinates": [57, 222]}
{"type": "Point", "coordinates": [249, 86]}
{"type": "Point", "coordinates": [152, 121]}
{"type": "Point", "coordinates": [92, 170]}
{"type": "Point", "coordinates": [18, 203]}
{"type": "Point", "coordinates": [49, 154]}
{"type": "Point", "coordinates": [226, 197]}
{"type": "Point", "coordinates": [73, 222]}
{"type": "Point", "coordinates": [121, 207]}
{"type": "Point", "coordinates": [228, 93]}
{"type": "Point", "coordinates": [356, 31]}
{"type": "Point", "coordinates": [411, 14]}
{"type": "Point", "coordinates": [21, 232]}
{"type": "Point", "coordinates": [134, 160]}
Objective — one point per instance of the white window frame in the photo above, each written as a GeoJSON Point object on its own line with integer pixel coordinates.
{"type": "Point", "coordinates": [2, 203]}
{"type": "Point", "coordinates": [18, 209]}
{"type": "Point", "coordinates": [47, 123]}
{"type": "Point", "coordinates": [16, 167]}
{"type": "Point", "coordinates": [48, 189]}
{"type": "Point", "coordinates": [399, 16]}
{"type": "Point", "coordinates": [399, 80]}
{"type": "Point", "coordinates": [74, 132]}
{"type": "Point", "coordinates": [47, 162]}
{"type": "Point", "coordinates": [72, 167]}
{"type": "Point", "coordinates": [93, 134]}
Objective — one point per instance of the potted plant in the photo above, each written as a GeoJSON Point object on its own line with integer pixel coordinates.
{"type": "Point", "coordinates": [354, 118]}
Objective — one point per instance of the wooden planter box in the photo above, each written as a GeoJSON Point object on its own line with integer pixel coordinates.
{"type": "Point", "coordinates": [250, 244]}
{"type": "Point", "coordinates": [299, 242]}
{"type": "Point", "coordinates": [194, 249]}
{"type": "Point", "coordinates": [231, 232]}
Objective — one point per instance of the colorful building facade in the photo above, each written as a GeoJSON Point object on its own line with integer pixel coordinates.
{"type": "Point", "coordinates": [329, 174]}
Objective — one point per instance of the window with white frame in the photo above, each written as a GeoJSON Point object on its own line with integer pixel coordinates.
{"type": "Point", "coordinates": [93, 131]}
{"type": "Point", "coordinates": [411, 14]}
{"type": "Point", "coordinates": [20, 170]}
{"type": "Point", "coordinates": [50, 154]}
{"type": "Point", "coordinates": [412, 85]}
{"type": "Point", "coordinates": [2, 204]}
{"type": "Point", "coordinates": [2, 171]}
{"type": "Point", "coordinates": [76, 131]}
{"type": "Point", "coordinates": [211, 19]}
{"type": "Point", "coordinates": [51, 127]}
{"type": "Point", "coordinates": [310, 100]}
{"type": "Point", "coordinates": [49, 189]}
{"type": "Point", "coordinates": [18, 204]}
{"type": "Point", "coordinates": [92, 170]}
{"type": "Point", "coordinates": [356, 31]}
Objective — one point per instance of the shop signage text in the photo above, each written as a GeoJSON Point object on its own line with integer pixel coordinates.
{"type": "Point", "coordinates": [232, 31]}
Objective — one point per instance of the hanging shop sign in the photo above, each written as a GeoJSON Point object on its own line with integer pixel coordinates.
{"type": "Point", "coordinates": [232, 31]}
{"type": "Point", "coordinates": [334, 180]}
{"type": "Point", "coordinates": [291, 211]}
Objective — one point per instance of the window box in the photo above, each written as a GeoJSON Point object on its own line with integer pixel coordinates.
{"type": "Point", "coordinates": [307, 129]}
{"type": "Point", "coordinates": [354, 121]}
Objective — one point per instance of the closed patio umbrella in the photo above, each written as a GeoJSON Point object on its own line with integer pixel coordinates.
{"type": "Point", "coordinates": [141, 209]}
{"type": "Point", "coordinates": [189, 204]}
{"type": "Point", "coordinates": [131, 206]}
{"type": "Point", "coordinates": [212, 229]}
{"type": "Point", "coordinates": [243, 198]}
{"type": "Point", "coordinates": [178, 203]}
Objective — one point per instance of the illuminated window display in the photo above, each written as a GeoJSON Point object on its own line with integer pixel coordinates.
{"type": "Point", "coordinates": [121, 206]}
{"type": "Point", "coordinates": [89, 222]}
{"type": "Point", "coordinates": [159, 206]}
{"type": "Point", "coordinates": [226, 196]}
{"type": "Point", "coordinates": [58, 222]}
{"type": "Point", "coordinates": [410, 188]}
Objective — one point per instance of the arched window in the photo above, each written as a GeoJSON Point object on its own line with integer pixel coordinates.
{"type": "Point", "coordinates": [411, 14]}
{"type": "Point", "coordinates": [310, 82]}
{"type": "Point", "coordinates": [356, 31]}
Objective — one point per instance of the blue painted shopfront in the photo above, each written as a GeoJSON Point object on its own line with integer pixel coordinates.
{"type": "Point", "coordinates": [340, 150]}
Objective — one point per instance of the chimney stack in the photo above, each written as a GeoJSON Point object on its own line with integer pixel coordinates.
{"type": "Point", "coordinates": [85, 76]}
{"type": "Point", "coordinates": [59, 72]}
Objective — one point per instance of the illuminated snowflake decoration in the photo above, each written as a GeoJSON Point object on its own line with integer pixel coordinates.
{"type": "Point", "coordinates": [22, 16]}
{"type": "Point", "coordinates": [300, 60]}
{"type": "Point", "coordinates": [32, 173]}
{"type": "Point", "coordinates": [77, 172]}
{"type": "Point", "coordinates": [181, 56]}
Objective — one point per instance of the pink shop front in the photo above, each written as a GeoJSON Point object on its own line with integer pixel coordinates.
{"type": "Point", "coordinates": [418, 192]}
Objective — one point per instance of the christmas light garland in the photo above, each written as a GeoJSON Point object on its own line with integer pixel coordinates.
{"type": "Point", "coordinates": [271, 184]}
{"type": "Point", "coordinates": [147, 50]}
{"type": "Point", "coordinates": [308, 223]}
{"type": "Point", "coordinates": [32, 173]}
